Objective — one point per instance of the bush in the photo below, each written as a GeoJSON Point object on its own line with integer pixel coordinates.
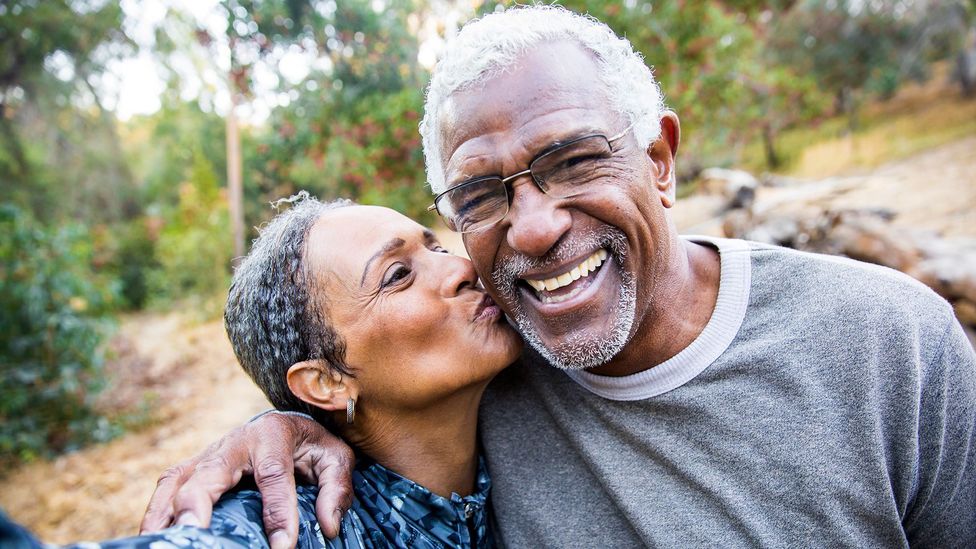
{"type": "Point", "coordinates": [52, 325]}
{"type": "Point", "coordinates": [194, 247]}
{"type": "Point", "coordinates": [130, 250]}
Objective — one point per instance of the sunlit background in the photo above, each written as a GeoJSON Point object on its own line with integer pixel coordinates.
{"type": "Point", "coordinates": [141, 143]}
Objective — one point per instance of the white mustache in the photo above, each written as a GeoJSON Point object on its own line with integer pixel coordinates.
{"type": "Point", "coordinates": [509, 270]}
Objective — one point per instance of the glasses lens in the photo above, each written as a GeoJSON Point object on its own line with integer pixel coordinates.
{"type": "Point", "coordinates": [474, 205]}
{"type": "Point", "coordinates": [564, 170]}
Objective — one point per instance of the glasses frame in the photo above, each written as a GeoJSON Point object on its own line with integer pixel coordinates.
{"type": "Point", "coordinates": [505, 181]}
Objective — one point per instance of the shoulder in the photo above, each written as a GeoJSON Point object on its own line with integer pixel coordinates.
{"type": "Point", "coordinates": [839, 302]}
{"type": "Point", "coordinates": [840, 287]}
{"type": "Point", "coordinates": [240, 513]}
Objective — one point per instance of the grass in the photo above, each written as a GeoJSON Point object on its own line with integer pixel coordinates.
{"type": "Point", "coordinates": [919, 117]}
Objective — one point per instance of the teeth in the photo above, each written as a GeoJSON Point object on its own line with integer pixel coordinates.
{"type": "Point", "coordinates": [584, 269]}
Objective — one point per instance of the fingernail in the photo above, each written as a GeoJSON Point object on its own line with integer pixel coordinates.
{"type": "Point", "coordinates": [337, 517]}
{"type": "Point", "coordinates": [187, 518]}
{"type": "Point", "coordinates": [279, 540]}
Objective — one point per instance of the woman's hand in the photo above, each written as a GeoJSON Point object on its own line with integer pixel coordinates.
{"type": "Point", "coordinates": [273, 448]}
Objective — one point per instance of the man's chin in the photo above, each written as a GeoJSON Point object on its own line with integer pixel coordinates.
{"type": "Point", "coordinates": [579, 350]}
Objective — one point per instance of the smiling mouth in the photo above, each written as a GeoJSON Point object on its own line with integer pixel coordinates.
{"type": "Point", "coordinates": [563, 286]}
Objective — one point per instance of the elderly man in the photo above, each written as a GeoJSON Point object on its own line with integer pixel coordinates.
{"type": "Point", "coordinates": [679, 391]}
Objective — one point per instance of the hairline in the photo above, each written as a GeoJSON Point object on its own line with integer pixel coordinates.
{"type": "Point", "coordinates": [636, 114]}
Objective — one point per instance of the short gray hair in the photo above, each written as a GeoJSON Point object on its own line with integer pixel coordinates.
{"type": "Point", "coordinates": [486, 47]}
{"type": "Point", "coordinates": [274, 315]}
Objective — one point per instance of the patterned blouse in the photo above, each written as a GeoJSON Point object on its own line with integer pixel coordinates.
{"type": "Point", "coordinates": [387, 511]}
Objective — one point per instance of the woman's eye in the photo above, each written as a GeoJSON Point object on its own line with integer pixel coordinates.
{"type": "Point", "coordinates": [396, 274]}
{"type": "Point", "coordinates": [441, 249]}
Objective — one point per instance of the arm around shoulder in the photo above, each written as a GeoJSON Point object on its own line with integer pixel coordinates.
{"type": "Point", "coordinates": [272, 448]}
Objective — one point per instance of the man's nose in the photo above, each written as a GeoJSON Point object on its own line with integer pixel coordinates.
{"type": "Point", "coordinates": [535, 221]}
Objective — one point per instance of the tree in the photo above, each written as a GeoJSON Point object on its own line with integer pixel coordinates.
{"type": "Point", "coordinates": [349, 127]}
{"type": "Point", "coordinates": [60, 155]}
{"type": "Point", "coordinates": [851, 48]}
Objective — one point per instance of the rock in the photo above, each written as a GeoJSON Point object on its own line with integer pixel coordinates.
{"type": "Point", "coordinates": [965, 312]}
{"type": "Point", "coordinates": [737, 186]}
{"type": "Point", "coordinates": [773, 180]}
{"type": "Point", "coordinates": [953, 277]}
{"type": "Point", "coordinates": [867, 236]}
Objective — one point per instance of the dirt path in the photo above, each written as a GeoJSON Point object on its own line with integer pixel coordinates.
{"type": "Point", "coordinates": [933, 191]}
{"type": "Point", "coordinates": [190, 372]}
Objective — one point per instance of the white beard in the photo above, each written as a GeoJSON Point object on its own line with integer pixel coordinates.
{"type": "Point", "coordinates": [577, 352]}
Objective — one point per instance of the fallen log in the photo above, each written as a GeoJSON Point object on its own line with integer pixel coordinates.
{"type": "Point", "coordinates": [946, 266]}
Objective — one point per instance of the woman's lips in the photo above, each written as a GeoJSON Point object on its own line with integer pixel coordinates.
{"type": "Point", "coordinates": [487, 310]}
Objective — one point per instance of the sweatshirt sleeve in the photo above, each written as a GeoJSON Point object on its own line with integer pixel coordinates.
{"type": "Point", "coordinates": [943, 511]}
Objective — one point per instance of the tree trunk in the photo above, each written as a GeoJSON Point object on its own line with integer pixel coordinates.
{"type": "Point", "coordinates": [234, 187]}
{"type": "Point", "coordinates": [773, 160]}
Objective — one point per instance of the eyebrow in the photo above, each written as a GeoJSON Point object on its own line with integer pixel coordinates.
{"type": "Point", "coordinates": [392, 245]}
{"type": "Point", "coordinates": [387, 248]}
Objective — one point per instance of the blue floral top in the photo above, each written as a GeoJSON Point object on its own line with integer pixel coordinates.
{"type": "Point", "coordinates": [387, 511]}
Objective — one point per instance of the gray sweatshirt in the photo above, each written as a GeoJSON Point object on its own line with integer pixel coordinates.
{"type": "Point", "coordinates": [827, 403]}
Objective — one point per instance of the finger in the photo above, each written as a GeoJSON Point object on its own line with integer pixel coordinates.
{"type": "Point", "coordinates": [332, 466]}
{"type": "Point", "coordinates": [214, 475]}
{"type": "Point", "coordinates": [274, 475]}
{"type": "Point", "coordinates": [159, 512]}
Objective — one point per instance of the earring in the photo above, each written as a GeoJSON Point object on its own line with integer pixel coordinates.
{"type": "Point", "coordinates": [350, 411]}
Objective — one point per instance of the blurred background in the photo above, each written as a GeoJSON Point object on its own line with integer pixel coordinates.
{"type": "Point", "coordinates": [141, 143]}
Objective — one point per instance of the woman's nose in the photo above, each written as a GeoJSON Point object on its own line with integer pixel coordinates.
{"type": "Point", "coordinates": [460, 275]}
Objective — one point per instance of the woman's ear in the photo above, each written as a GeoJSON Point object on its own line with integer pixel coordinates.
{"type": "Point", "coordinates": [662, 154]}
{"type": "Point", "coordinates": [316, 383]}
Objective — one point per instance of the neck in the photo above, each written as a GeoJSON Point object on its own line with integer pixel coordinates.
{"type": "Point", "coordinates": [436, 447]}
{"type": "Point", "coordinates": [680, 305]}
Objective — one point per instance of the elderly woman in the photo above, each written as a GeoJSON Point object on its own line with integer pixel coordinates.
{"type": "Point", "coordinates": [356, 316]}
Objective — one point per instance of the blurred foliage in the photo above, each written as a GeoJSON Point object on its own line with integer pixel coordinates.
{"type": "Point", "coordinates": [194, 247]}
{"type": "Point", "coordinates": [60, 154]}
{"type": "Point", "coordinates": [52, 308]}
{"type": "Point", "coordinates": [351, 130]}
{"type": "Point", "coordinates": [142, 203]}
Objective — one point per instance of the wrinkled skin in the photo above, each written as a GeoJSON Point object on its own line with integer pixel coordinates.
{"type": "Point", "coordinates": [273, 449]}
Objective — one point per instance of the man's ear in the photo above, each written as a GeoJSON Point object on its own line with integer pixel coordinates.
{"type": "Point", "coordinates": [316, 383]}
{"type": "Point", "coordinates": [662, 154]}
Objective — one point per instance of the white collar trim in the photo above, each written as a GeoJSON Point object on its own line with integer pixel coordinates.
{"type": "Point", "coordinates": [730, 310]}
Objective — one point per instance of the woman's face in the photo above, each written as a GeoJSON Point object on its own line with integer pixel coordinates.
{"type": "Point", "coordinates": [417, 326]}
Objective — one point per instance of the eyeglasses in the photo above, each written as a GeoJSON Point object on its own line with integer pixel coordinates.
{"type": "Point", "coordinates": [561, 171]}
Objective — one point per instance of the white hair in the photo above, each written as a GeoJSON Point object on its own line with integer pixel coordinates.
{"type": "Point", "coordinates": [486, 47]}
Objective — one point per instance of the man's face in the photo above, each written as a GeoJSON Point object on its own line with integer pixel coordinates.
{"type": "Point", "coordinates": [613, 237]}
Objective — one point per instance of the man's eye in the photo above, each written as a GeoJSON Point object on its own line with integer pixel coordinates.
{"type": "Point", "coordinates": [395, 275]}
{"type": "Point", "coordinates": [581, 161]}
